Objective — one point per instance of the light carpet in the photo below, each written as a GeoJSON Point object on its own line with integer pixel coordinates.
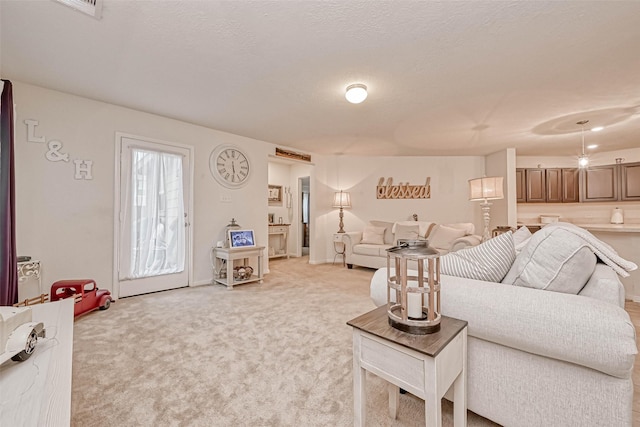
{"type": "Point", "coordinates": [272, 354]}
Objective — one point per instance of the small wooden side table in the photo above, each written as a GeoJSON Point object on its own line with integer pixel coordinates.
{"type": "Point", "coordinates": [424, 365]}
{"type": "Point", "coordinates": [224, 257]}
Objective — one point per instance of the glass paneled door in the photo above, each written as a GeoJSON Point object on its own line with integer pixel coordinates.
{"type": "Point", "coordinates": [154, 216]}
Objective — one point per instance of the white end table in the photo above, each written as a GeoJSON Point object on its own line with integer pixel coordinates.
{"type": "Point", "coordinates": [224, 257]}
{"type": "Point", "coordinates": [424, 365]}
{"type": "Point", "coordinates": [339, 247]}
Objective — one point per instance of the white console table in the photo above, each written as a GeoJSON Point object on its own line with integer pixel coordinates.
{"type": "Point", "coordinates": [37, 392]}
{"type": "Point", "coordinates": [278, 240]}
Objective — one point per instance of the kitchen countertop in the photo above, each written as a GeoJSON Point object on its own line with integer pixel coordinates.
{"type": "Point", "coordinates": [619, 228]}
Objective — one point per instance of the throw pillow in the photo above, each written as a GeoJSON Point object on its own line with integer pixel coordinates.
{"type": "Point", "coordinates": [373, 235]}
{"type": "Point", "coordinates": [423, 226]}
{"type": "Point", "coordinates": [442, 237]}
{"type": "Point", "coordinates": [555, 260]}
{"type": "Point", "coordinates": [411, 232]}
{"type": "Point", "coordinates": [388, 232]}
{"type": "Point", "coordinates": [521, 238]}
{"type": "Point", "coordinates": [489, 261]}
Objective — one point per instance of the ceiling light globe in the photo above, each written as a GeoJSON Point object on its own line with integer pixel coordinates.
{"type": "Point", "coordinates": [583, 161]}
{"type": "Point", "coordinates": [356, 93]}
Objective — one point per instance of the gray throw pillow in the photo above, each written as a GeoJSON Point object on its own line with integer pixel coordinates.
{"type": "Point", "coordinates": [555, 260]}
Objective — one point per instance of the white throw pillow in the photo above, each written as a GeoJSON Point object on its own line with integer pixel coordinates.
{"type": "Point", "coordinates": [373, 235]}
{"type": "Point", "coordinates": [388, 230]}
{"type": "Point", "coordinates": [411, 232]}
{"type": "Point", "coordinates": [555, 260]}
{"type": "Point", "coordinates": [442, 237]}
{"type": "Point", "coordinates": [423, 226]}
{"type": "Point", "coordinates": [521, 238]}
{"type": "Point", "coordinates": [489, 261]}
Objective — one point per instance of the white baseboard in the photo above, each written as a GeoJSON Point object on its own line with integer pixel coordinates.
{"type": "Point", "coordinates": [202, 282]}
{"type": "Point", "coordinates": [635, 299]}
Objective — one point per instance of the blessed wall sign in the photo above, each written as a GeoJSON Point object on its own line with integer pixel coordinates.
{"type": "Point", "coordinates": [403, 190]}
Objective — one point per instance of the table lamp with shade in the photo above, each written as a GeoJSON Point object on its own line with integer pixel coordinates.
{"type": "Point", "coordinates": [485, 189]}
{"type": "Point", "coordinates": [342, 200]}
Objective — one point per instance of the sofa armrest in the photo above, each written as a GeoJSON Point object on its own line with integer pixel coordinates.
{"type": "Point", "coordinates": [350, 239]}
{"type": "Point", "coordinates": [466, 242]}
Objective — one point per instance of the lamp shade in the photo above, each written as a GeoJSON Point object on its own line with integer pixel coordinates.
{"type": "Point", "coordinates": [486, 188]}
{"type": "Point", "coordinates": [341, 199]}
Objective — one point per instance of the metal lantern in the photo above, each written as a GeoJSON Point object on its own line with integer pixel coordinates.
{"type": "Point", "coordinates": [416, 309]}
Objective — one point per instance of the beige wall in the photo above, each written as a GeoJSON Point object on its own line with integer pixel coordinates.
{"type": "Point", "coordinates": [68, 223]}
{"type": "Point", "coordinates": [359, 176]}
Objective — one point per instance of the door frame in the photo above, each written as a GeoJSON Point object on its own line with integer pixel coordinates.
{"type": "Point", "coordinates": [116, 206]}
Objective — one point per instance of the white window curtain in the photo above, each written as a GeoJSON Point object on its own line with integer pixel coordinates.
{"type": "Point", "coordinates": [157, 214]}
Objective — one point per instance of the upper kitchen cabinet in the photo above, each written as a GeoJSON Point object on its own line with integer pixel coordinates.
{"type": "Point", "coordinates": [521, 187]}
{"type": "Point", "coordinates": [553, 185]}
{"type": "Point", "coordinates": [535, 185]}
{"type": "Point", "coordinates": [570, 185]}
{"type": "Point", "coordinates": [630, 181]}
{"type": "Point", "coordinates": [599, 184]}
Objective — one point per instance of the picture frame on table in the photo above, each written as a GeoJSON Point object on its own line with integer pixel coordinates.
{"type": "Point", "coordinates": [241, 239]}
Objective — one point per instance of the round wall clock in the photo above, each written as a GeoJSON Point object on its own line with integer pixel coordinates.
{"type": "Point", "coordinates": [230, 166]}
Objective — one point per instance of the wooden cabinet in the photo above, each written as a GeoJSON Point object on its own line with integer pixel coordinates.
{"type": "Point", "coordinates": [521, 189]}
{"type": "Point", "coordinates": [599, 184]}
{"type": "Point", "coordinates": [554, 185]}
{"type": "Point", "coordinates": [630, 182]}
{"type": "Point", "coordinates": [551, 185]}
{"type": "Point", "coordinates": [570, 185]}
{"type": "Point", "coordinates": [535, 185]}
{"type": "Point", "coordinates": [609, 183]}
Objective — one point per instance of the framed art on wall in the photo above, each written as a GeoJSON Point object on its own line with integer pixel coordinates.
{"type": "Point", "coordinates": [275, 194]}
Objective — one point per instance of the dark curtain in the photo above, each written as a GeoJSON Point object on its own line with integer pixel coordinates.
{"type": "Point", "coordinates": [8, 258]}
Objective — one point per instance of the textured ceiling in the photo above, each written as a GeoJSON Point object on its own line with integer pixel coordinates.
{"type": "Point", "coordinates": [444, 78]}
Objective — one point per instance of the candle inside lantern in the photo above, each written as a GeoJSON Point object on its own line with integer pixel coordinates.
{"type": "Point", "coordinates": [414, 305]}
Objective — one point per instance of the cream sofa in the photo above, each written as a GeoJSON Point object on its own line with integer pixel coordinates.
{"type": "Point", "coordinates": [368, 248]}
{"type": "Point", "coordinates": [538, 357]}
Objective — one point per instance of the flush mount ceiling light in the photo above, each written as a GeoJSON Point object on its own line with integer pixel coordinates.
{"type": "Point", "coordinates": [356, 93]}
{"type": "Point", "coordinates": [597, 128]}
{"type": "Point", "coordinates": [592, 146]}
{"type": "Point", "coordinates": [583, 160]}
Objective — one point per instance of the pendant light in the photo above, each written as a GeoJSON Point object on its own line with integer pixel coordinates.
{"type": "Point", "coordinates": [583, 160]}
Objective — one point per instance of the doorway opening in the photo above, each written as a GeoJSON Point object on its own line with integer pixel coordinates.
{"type": "Point", "coordinates": [305, 204]}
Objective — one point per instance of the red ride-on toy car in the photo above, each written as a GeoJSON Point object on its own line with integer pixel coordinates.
{"type": "Point", "coordinates": [85, 292]}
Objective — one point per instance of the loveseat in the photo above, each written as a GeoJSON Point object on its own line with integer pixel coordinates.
{"type": "Point", "coordinates": [368, 248]}
{"type": "Point", "coordinates": [545, 348]}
